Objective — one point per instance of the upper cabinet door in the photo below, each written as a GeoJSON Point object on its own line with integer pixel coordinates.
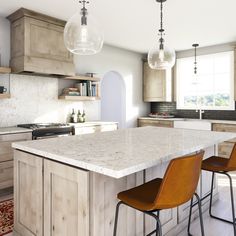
{"type": "Point", "coordinates": [157, 85]}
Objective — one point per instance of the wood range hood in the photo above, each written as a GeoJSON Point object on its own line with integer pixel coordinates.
{"type": "Point", "coordinates": [37, 45]}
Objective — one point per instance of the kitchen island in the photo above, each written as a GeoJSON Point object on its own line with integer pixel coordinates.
{"type": "Point", "coordinates": [67, 186]}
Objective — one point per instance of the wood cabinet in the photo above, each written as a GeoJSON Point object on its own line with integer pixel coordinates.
{"type": "Point", "coordinates": [28, 194]}
{"type": "Point", "coordinates": [95, 128]}
{"type": "Point", "coordinates": [157, 85]}
{"type": "Point", "coordinates": [66, 200]}
{"type": "Point", "coordinates": [225, 148]}
{"type": "Point", "coordinates": [37, 44]}
{"type": "Point", "coordinates": [6, 157]}
{"type": "Point", "coordinates": [142, 122]}
{"type": "Point", "coordinates": [103, 200]}
{"type": "Point", "coordinates": [64, 191]}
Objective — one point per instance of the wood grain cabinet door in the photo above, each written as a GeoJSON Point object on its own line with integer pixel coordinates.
{"type": "Point", "coordinates": [28, 194]}
{"type": "Point", "coordinates": [6, 157]}
{"type": "Point", "coordinates": [66, 200]}
{"type": "Point", "coordinates": [103, 200]}
{"type": "Point", "coordinates": [157, 86]}
{"type": "Point", "coordinates": [225, 148]}
{"type": "Point", "coordinates": [157, 123]}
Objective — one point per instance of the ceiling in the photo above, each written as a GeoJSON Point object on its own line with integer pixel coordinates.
{"type": "Point", "coordinates": [133, 24]}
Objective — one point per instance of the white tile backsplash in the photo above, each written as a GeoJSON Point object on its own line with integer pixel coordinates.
{"type": "Point", "coordinates": [35, 99]}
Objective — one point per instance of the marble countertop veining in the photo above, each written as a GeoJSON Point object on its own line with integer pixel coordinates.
{"type": "Point", "coordinates": [13, 130]}
{"type": "Point", "coordinates": [123, 152]}
{"type": "Point", "coordinates": [189, 119]}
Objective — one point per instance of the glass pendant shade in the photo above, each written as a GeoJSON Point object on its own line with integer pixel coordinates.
{"type": "Point", "coordinates": [161, 59]}
{"type": "Point", "coordinates": [83, 39]}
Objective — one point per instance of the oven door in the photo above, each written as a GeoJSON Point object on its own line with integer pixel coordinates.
{"type": "Point", "coordinates": [52, 132]}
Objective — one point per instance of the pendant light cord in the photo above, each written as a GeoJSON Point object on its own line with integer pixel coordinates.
{"type": "Point", "coordinates": [195, 56]}
{"type": "Point", "coordinates": [161, 30]}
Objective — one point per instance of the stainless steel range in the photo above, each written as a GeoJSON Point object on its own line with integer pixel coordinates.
{"type": "Point", "coordinates": [46, 130]}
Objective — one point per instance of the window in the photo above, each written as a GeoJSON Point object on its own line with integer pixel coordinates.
{"type": "Point", "coordinates": [213, 88]}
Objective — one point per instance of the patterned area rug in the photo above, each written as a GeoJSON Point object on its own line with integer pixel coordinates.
{"type": "Point", "coordinates": [6, 217]}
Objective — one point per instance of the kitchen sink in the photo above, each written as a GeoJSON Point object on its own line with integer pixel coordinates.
{"type": "Point", "coordinates": [193, 124]}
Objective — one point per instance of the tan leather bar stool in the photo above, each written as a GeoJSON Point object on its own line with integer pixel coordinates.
{"type": "Point", "coordinates": [176, 188]}
{"type": "Point", "coordinates": [221, 165]}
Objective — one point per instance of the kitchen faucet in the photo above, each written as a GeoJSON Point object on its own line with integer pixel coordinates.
{"type": "Point", "coordinates": [200, 113]}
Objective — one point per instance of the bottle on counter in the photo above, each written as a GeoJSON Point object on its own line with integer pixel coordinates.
{"type": "Point", "coordinates": [73, 116]}
{"type": "Point", "coordinates": [83, 116]}
{"type": "Point", "coordinates": [79, 117]}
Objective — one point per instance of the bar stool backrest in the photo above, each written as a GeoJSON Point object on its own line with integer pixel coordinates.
{"type": "Point", "coordinates": [232, 160]}
{"type": "Point", "coordinates": [180, 181]}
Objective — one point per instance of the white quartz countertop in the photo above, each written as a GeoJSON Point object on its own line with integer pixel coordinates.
{"type": "Point", "coordinates": [189, 119]}
{"type": "Point", "coordinates": [13, 130]}
{"type": "Point", "coordinates": [123, 152]}
{"type": "Point", "coordinates": [92, 123]}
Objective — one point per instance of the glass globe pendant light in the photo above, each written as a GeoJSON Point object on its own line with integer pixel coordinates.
{"type": "Point", "coordinates": [195, 77]}
{"type": "Point", "coordinates": [160, 57]}
{"type": "Point", "coordinates": [82, 34]}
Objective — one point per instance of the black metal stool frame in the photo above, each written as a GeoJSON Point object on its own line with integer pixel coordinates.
{"type": "Point", "coordinates": [231, 197]}
{"type": "Point", "coordinates": [158, 230]}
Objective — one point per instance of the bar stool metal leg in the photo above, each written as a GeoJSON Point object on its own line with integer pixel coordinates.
{"type": "Point", "coordinates": [190, 215]}
{"type": "Point", "coordinates": [200, 214]}
{"type": "Point", "coordinates": [232, 201]}
{"type": "Point", "coordinates": [116, 217]}
{"type": "Point", "coordinates": [157, 224]}
{"type": "Point", "coordinates": [158, 230]}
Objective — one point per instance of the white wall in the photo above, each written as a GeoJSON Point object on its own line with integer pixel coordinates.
{"type": "Point", "coordinates": [34, 99]}
{"type": "Point", "coordinates": [113, 99]}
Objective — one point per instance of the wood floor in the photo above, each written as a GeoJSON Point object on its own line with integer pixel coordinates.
{"type": "Point", "coordinates": [222, 207]}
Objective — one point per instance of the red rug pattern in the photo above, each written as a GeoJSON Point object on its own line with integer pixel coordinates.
{"type": "Point", "coordinates": [6, 217]}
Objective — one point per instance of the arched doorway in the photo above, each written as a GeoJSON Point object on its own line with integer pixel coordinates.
{"type": "Point", "coordinates": [113, 99]}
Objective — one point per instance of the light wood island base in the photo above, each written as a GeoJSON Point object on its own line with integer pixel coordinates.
{"type": "Point", "coordinates": [55, 199]}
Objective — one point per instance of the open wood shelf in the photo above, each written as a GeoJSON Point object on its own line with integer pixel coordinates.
{"type": "Point", "coordinates": [78, 98]}
{"type": "Point", "coordinates": [82, 77]}
{"type": "Point", "coordinates": [5, 70]}
{"type": "Point", "coordinates": [4, 95]}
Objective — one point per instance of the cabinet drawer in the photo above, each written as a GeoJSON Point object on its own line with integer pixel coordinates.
{"type": "Point", "coordinates": [85, 130]}
{"type": "Point", "coordinates": [6, 157]}
{"type": "Point", "coordinates": [224, 127]}
{"type": "Point", "coordinates": [94, 129]}
{"type": "Point", "coordinates": [6, 174]}
{"type": "Point", "coordinates": [15, 137]}
{"type": "Point", "coordinates": [157, 123]}
{"type": "Point", "coordinates": [104, 128]}
{"type": "Point", "coordinates": [6, 151]}
{"type": "Point", "coordinates": [225, 149]}
{"type": "Point", "coordinates": [5, 148]}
